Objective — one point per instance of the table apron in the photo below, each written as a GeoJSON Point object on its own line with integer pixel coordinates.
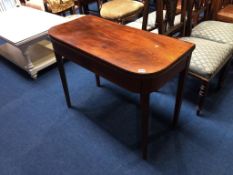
{"type": "Point", "coordinates": [133, 82]}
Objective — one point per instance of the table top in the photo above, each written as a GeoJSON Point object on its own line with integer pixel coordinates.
{"type": "Point", "coordinates": [21, 23]}
{"type": "Point", "coordinates": [126, 48]}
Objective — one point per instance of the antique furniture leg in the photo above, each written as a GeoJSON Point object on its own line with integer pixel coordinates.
{"type": "Point", "coordinates": [179, 95]}
{"type": "Point", "coordinates": [63, 78]}
{"type": "Point", "coordinates": [97, 78]}
{"type": "Point", "coordinates": [144, 103]}
{"type": "Point", "coordinates": [223, 75]}
{"type": "Point", "coordinates": [29, 66]}
{"type": "Point", "coordinates": [202, 94]}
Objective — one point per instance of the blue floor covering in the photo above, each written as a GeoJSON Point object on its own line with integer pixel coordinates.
{"type": "Point", "coordinates": [100, 135]}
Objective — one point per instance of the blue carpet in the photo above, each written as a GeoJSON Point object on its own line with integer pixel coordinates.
{"type": "Point", "coordinates": [39, 135]}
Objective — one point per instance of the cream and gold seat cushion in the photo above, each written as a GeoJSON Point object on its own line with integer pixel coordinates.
{"type": "Point", "coordinates": [208, 56]}
{"type": "Point", "coordinates": [120, 9]}
{"type": "Point", "coordinates": [214, 30]}
{"type": "Point", "coordinates": [58, 6]}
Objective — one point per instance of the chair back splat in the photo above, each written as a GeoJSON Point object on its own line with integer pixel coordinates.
{"type": "Point", "coordinates": [166, 18]}
{"type": "Point", "coordinates": [60, 7]}
{"type": "Point", "coordinates": [197, 11]}
{"type": "Point", "coordinates": [121, 11]}
{"type": "Point", "coordinates": [145, 14]}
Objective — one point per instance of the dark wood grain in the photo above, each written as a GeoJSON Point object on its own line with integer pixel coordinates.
{"type": "Point", "coordinates": [120, 44]}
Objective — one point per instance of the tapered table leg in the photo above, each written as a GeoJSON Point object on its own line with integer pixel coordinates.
{"type": "Point", "coordinates": [179, 95]}
{"type": "Point", "coordinates": [63, 78]}
{"type": "Point", "coordinates": [97, 78]}
{"type": "Point", "coordinates": [144, 103]}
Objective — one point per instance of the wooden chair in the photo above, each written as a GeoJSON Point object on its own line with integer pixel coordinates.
{"type": "Point", "coordinates": [222, 10]}
{"type": "Point", "coordinates": [60, 7]}
{"type": "Point", "coordinates": [148, 20]}
{"type": "Point", "coordinates": [84, 6]}
{"type": "Point", "coordinates": [208, 59]}
{"type": "Point", "coordinates": [121, 11]}
{"type": "Point", "coordinates": [217, 31]}
{"type": "Point", "coordinates": [170, 23]}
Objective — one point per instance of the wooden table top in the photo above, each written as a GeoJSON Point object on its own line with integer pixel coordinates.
{"type": "Point", "coordinates": [126, 48]}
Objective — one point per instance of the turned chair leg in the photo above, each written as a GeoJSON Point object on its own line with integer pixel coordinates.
{"type": "Point", "coordinates": [223, 73]}
{"type": "Point", "coordinates": [202, 94]}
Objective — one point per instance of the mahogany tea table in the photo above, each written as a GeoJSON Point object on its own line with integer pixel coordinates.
{"type": "Point", "coordinates": [136, 60]}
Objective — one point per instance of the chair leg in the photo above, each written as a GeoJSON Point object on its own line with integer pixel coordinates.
{"type": "Point", "coordinates": [85, 9]}
{"type": "Point", "coordinates": [72, 10]}
{"type": "Point", "coordinates": [223, 73]}
{"type": "Point", "coordinates": [202, 94]}
{"type": "Point", "coordinates": [81, 11]}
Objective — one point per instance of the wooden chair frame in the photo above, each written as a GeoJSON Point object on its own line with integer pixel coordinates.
{"type": "Point", "coordinates": [62, 13]}
{"type": "Point", "coordinates": [195, 11]}
{"type": "Point", "coordinates": [204, 7]}
{"type": "Point", "coordinates": [166, 26]}
{"type": "Point", "coordinates": [217, 5]}
{"type": "Point", "coordinates": [197, 8]}
{"type": "Point", "coordinates": [160, 5]}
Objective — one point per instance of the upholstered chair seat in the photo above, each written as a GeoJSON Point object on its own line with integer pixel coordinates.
{"type": "Point", "coordinates": [208, 56]}
{"type": "Point", "coordinates": [226, 14]}
{"type": "Point", "coordinates": [119, 10]}
{"type": "Point", "coordinates": [214, 30]}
